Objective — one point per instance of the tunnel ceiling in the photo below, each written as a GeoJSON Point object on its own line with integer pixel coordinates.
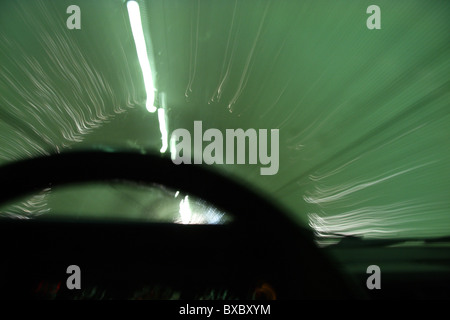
{"type": "Point", "coordinates": [363, 115]}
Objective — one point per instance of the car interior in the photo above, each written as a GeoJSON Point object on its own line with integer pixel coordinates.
{"type": "Point", "coordinates": [224, 150]}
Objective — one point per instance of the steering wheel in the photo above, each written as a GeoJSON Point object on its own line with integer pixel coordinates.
{"type": "Point", "coordinates": [261, 248]}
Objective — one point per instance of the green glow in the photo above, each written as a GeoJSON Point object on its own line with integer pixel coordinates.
{"type": "Point", "coordinates": [363, 115]}
{"type": "Point", "coordinates": [163, 129]}
{"type": "Point", "coordinates": [141, 48]}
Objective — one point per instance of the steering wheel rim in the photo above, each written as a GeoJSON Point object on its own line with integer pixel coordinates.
{"type": "Point", "coordinates": [258, 217]}
{"type": "Point", "coordinates": [35, 174]}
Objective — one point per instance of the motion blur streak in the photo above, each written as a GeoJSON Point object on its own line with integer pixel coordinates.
{"type": "Point", "coordinates": [248, 65]}
{"type": "Point", "coordinates": [339, 192]}
{"type": "Point", "coordinates": [141, 48]}
{"type": "Point", "coordinates": [53, 96]}
{"type": "Point", "coordinates": [163, 128]}
{"type": "Point", "coordinates": [185, 211]}
{"type": "Point", "coordinates": [224, 75]}
{"type": "Point", "coordinates": [49, 116]}
{"type": "Point", "coordinates": [378, 221]}
{"type": "Point", "coordinates": [33, 207]}
{"type": "Point", "coordinates": [200, 212]}
{"type": "Point", "coordinates": [363, 115]}
{"type": "Point", "coordinates": [193, 54]}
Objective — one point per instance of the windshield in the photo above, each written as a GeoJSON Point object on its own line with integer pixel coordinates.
{"type": "Point", "coordinates": [343, 110]}
{"type": "Point", "coordinates": [115, 201]}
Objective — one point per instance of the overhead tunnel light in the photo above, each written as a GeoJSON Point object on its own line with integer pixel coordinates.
{"type": "Point", "coordinates": [163, 129]}
{"type": "Point", "coordinates": [141, 48]}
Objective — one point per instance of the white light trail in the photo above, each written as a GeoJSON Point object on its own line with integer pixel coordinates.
{"type": "Point", "coordinates": [141, 48]}
{"type": "Point", "coordinates": [163, 129]}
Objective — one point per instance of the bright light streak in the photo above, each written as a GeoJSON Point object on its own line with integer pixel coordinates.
{"type": "Point", "coordinates": [141, 48]}
{"type": "Point", "coordinates": [163, 129]}
{"type": "Point", "coordinates": [173, 149]}
{"type": "Point", "coordinates": [198, 212]}
{"type": "Point", "coordinates": [185, 211]}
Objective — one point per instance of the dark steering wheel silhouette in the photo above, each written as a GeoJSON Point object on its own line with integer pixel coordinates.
{"type": "Point", "coordinates": [260, 247]}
